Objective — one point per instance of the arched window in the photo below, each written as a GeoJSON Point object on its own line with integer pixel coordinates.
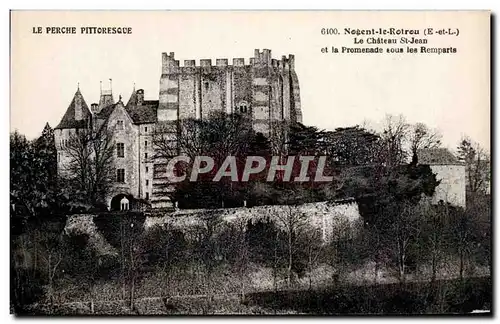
{"type": "Point", "coordinates": [124, 204]}
{"type": "Point", "coordinates": [242, 107]}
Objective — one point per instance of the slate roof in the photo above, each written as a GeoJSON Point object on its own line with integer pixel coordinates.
{"type": "Point", "coordinates": [106, 111]}
{"type": "Point", "coordinates": [140, 114]}
{"type": "Point", "coordinates": [144, 113]}
{"type": "Point", "coordinates": [437, 156]}
{"type": "Point", "coordinates": [68, 120]}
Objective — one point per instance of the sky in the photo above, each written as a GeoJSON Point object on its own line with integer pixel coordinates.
{"type": "Point", "coordinates": [450, 92]}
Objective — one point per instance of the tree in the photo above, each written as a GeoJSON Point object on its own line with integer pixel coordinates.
{"type": "Point", "coordinates": [233, 248]}
{"type": "Point", "coordinates": [52, 253]}
{"type": "Point", "coordinates": [90, 166]}
{"type": "Point", "coordinates": [463, 231]}
{"type": "Point", "coordinates": [34, 189]}
{"type": "Point", "coordinates": [293, 223]}
{"type": "Point", "coordinates": [280, 132]}
{"type": "Point", "coordinates": [405, 229]}
{"type": "Point", "coordinates": [219, 136]}
{"type": "Point", "coordinates": [352, 146]}
{"type": "Point", "coordinates": [305, 140]}
{"type": "Point", "coordinates": [23, 177]}
{"type": "Point", "coordinates": [477, 165]}
{"type": "Point", "coordinates": [396, 232]}
{"type": "Point", "coordinates": [313, 241]}
{"type": "Point", "coordinates": [435, 231]}
{"type": "Point", "coordinates": [421, 137]}
{"type": "Point", "coordinates": [165, 246]}
{"type": "Point", "coordinates": [394, 137]}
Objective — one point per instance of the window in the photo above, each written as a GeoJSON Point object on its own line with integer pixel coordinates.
{"type": "Point", "coordinates": [206, 85]}
{"type": "Point", "coordinates": [145, 155]}
{"type": "Point", "coordinates": [147, 195]}
{"type": "Point", "coordinates": [147, 169]}
{"type": "Point", "coordinates": [146, 144]}
{"type": "Point", "coordinates": [120, 149]}
{"type": "Point", "coordinates": [119, 124]}
{"type": "Point", "coordinates": [147, 182]}
{"type": "Point", "coordinates": [120, 175]}
{"type": "Point", "coordinates": [145, 129]}
{"type": "Point", "coordinates": [124, 204]}
{"type": "Point", "coordinates": [242, 107]}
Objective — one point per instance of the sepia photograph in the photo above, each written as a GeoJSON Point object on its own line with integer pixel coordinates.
{"type": "Point", "coordinates": [250, 163]}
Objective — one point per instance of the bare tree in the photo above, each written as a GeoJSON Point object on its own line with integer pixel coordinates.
{"type": "Point", "coordinates": [394, 136]}
{"type": "Point", "coordinates": [90, 166]}
{"type": "Point", "coordinates": [314, 247]}
{"type": "Point", "coordinates": [422, 137]}
{"type": "Point", "coordinates": [218, 136]}
{"type": "Point", "coordinates": [293, 222]}
{"type": "Point", "coordinates": [51, 253]}
{"type": "Point", "coordinates": [437, 239]}
{"type": "Point", "coordinates": [463, 229]}
{"type": "Point", "coordinates": [239, 241]}
{"type": "Point", "coordinates": [403, 229]}
{"type": "Point", "coordinates": [477, 165]}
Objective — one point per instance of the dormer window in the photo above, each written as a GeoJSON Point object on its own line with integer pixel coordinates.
{"type": "Point", "coordinates": [119, 124]}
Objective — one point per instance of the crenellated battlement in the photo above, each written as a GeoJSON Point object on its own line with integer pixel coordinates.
{"type": "Point", "coordinates": [261, 58]}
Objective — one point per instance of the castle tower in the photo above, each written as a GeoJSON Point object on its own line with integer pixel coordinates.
{"type": "Point", "coordinates": [168, 106]}
{"type": "Point", "coordinates": [261, 68]}
{"type": "Point", "coordinates": [295, 106]}
{"type": "Point", "coordinates": [77, 116]}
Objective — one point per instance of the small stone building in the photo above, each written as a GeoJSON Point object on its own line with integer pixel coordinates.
{"type": "Point", "coordinates": [449, 171]}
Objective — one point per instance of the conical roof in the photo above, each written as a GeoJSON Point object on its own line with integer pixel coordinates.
{"type": "Point", "coordinates": [77, 113]}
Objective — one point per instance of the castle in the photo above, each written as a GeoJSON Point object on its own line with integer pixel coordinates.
{"type": "Point", "coordinates": [266, 90]}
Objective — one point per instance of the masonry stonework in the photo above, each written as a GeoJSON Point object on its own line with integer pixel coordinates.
{"type": "Point", "coordinates": [451, 188]}
{"type": "Point", "coordinates": [265, 89]}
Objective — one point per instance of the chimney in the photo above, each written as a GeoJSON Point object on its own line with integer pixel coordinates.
{"type": "Point", "coordinates": [140, 97]}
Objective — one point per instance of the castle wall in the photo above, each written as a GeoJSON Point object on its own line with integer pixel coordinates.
{"type": "Point", "coordinates": [213, 88]}
{"type": "Point", "coordinates": [452, 186]}
{"type": "Point", "coordinates": [188, 82]}
{"type": "Point", "coordinates": [276, 93]}
{"type": "Point", "coordinates": [331, 219]}
{"type": "Point", "coordinates": [62, 137]}
{"type": "Point", "coordinates": [295, 106]}
{"type": "Point", "coordinates": [242, 85]}
{"type": "Point", "coordinates": [146, 166]}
